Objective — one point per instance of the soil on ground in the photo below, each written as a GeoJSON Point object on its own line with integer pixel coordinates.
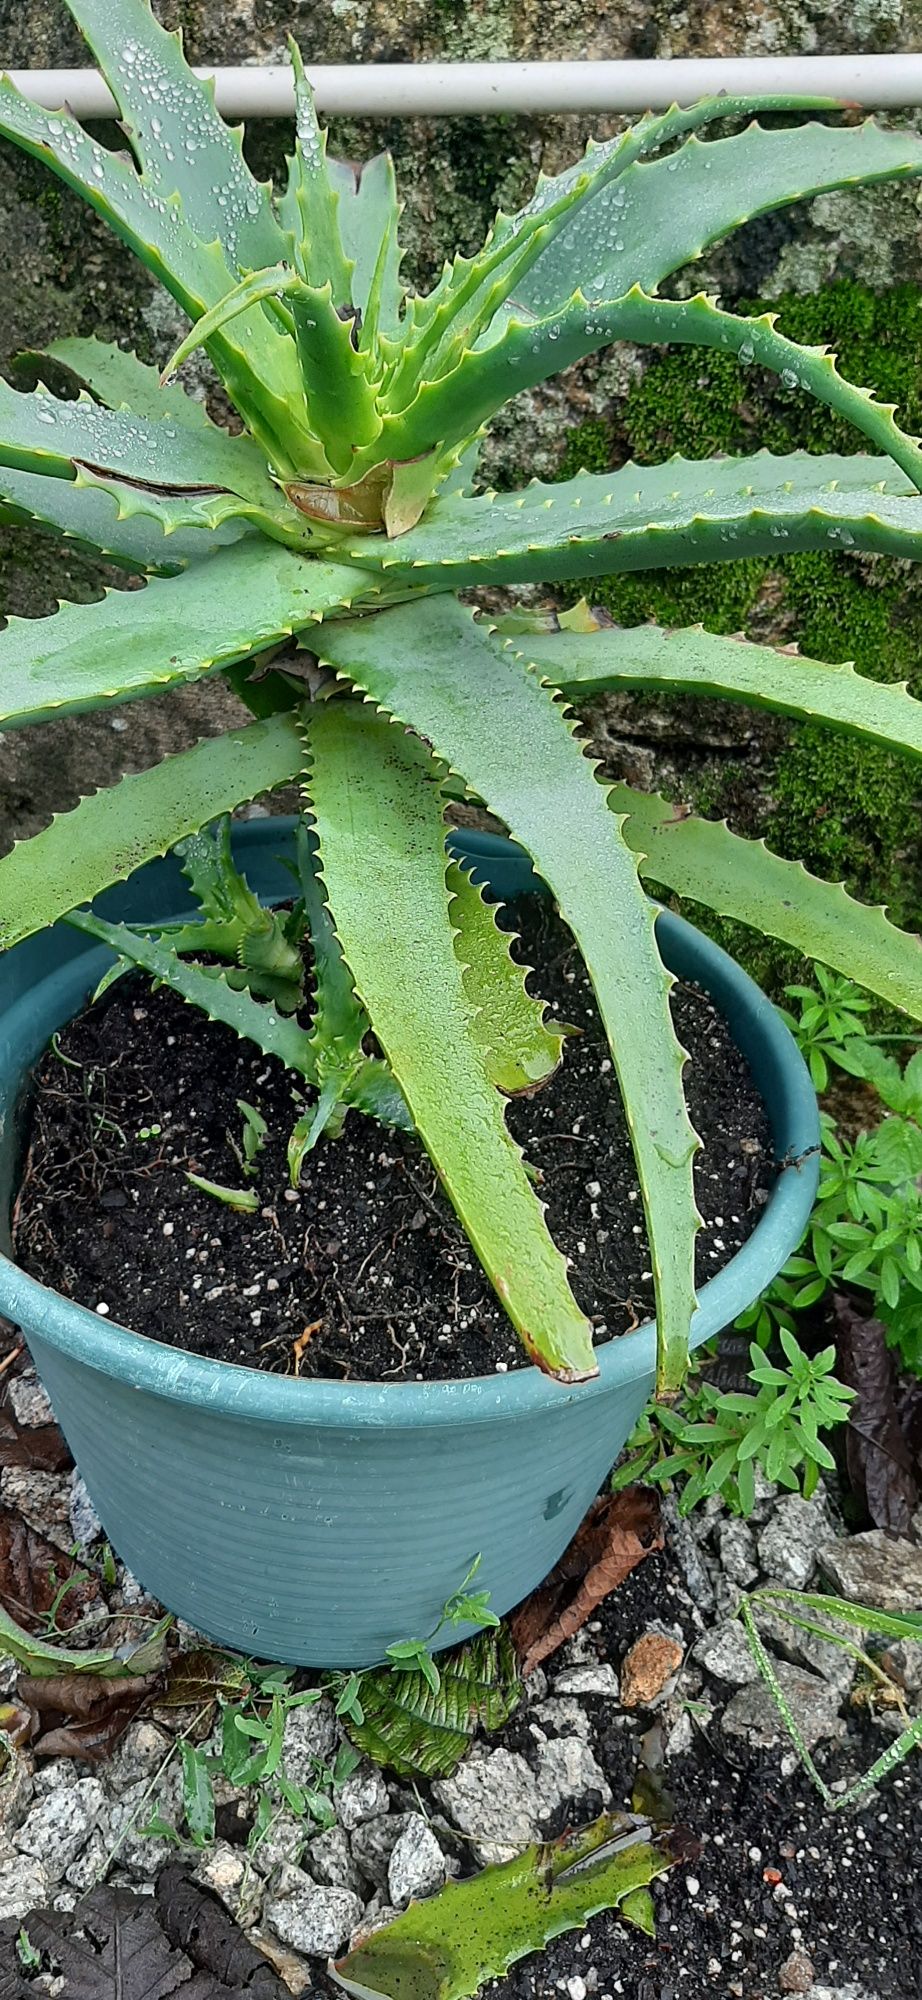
{"type": "Point", "coordinates": [776, 1874]}
{"type": "Point", "coordinates": [365, 1271]}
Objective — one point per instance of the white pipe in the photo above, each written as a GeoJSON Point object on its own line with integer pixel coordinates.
{"type": "Point", "coordinates": [440, 90]}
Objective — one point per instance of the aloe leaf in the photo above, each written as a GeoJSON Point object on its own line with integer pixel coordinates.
{"type": "Point", "coordinates": [116, 377]}
{"type": "Point", "coordinates": [176, 629]}
{"type": "Point", "coordinates": [339, 1018]}
{"type": "Point", "coordinates": [42, 433]}
{"type": "Point", "coordinates": [369, 212]}
{"type": "Point", "coordinates": [446, 1947]}
{"type": "Point", "coordinates": [693, 661]}
{"type": "Point", "coordinates": [193, 517]}
{"type": "Point", "coordinates": [313, 202]}
{"type": "Point", "coordinates": [528, 351]}
{"type": "Point", "coordinates": [346, 1077]}
{"type": "Point", "coordinates": [584, 202]}
{"type": "Point", "coordinates": [340, 393]}
{"type": "Point", "coordinates": [664, 213]}
{"type": "Point", "coordinates": [743, 879]}
{"type": "Point", "coordinates": [257, 363]}
{"type": "Point", "coordinates": [434, 669]}
{"type": "Point", "coordinates": [370, 782]}
{"type": "Point", "coordinates": [641, 517]}
{"type": "Point", "coordinates": [38, 1659]}
{"type": "Point", "coordinates": [520, 1046]}
{"type": "Point", "coordinates": [182, 142]}
{"type": "Point", "coordinates": [207, 988]}
{"type": "Point", "coordinates": [107, 836]}
{"type": "Point", "coordinates": [423, 1733]}
{"type": "Point", "coordinates": [92, 514]}
{"type": "Point", "coordinates": [259, 287]}
{"type": "Point", "coordinates": [235, 926]}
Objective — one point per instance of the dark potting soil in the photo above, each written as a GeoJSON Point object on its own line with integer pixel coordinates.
{"type": "Point", "coordinates": [365, 1272]}
{"type": "Point", "coordinates": [774, 1873]}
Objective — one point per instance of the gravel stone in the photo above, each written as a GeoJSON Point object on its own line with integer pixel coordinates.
{"type": "Point", "coordinates": [805, 1649]}
{"type": "Point", "coordinates": [310, 1738]}
{"type": "Point", "coordinates": [84, 1520]}
{"type": "Point", "coordinates": [876, 1569]}
{"type": "Point", "coordinates": [725, 1653]}
{"type": "Point", "coordinates": [24, 1884]}
{"type": "Point", "coordinates": [139, 1754]}
{"type": "Point", "coordinates": [373, 1844]}
{"type": "Point", "coordinates": [417, 1865]}
{"type": "Point", "coordinates": [315, 1920]}
{"type": "Point", "coordinates": [43, 1499]}
{"type": "Point", "coordinates": [85, 1872]}
{"type": "Point", "coordinates": [904, 1661]}
{"type": "Point", "coordinates": [791, 1540]}
{"type": "Point", "coordinates": [814, 1704]}
{"type": "Point", "coordinates": [566, 1717]}
{"type": "Point", "coordinates": [363, 1796]}
{"type": "Point", "coordinates": [647, 1669]}
{"type": "Point", "coordinates": [599, 1679]}
{"type": "Point", "coordinates": [30, 1401]}
{"type": "Point", "coordinates": [223, 1869]}
{"type": "Point", "coordinates": [737, 1545]}
{"type": "Point", "coordinates": [17, 1787]}
{"type": "Point", "coordinates": [329, 1860]}
{"type": "Point", "coordinates": [56, 1776]}
{"type": "Point", "coordinates": [494, 1799]}
{"type": "Point", "coordinates": [284, 1842]}
{"type": "Point", "coordinates": [796, 1974]}
{"type": "Point", "coordinates": [59, 1826]}
{"type": "Point", "coordinates": [684, 1545]}
{"type": "Point", "coordinates": [377, 1915]}
{"type": "Point", "coordinates": [567, 1769]}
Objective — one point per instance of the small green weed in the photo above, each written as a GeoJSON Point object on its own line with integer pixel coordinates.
{"type": "Point", "coordinates": [866, 1228]}
{"type": "Point", "coordinates": [250, 1752]}
{"type": "Point", "coordinates": [715, 1440]}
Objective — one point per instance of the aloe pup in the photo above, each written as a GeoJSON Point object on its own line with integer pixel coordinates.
{"type": "Point", "coordinates": [344, 518]}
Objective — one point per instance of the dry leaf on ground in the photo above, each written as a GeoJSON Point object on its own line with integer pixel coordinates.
{"type": "Point", "coordinates": [40, 1447]}
{"type": "Point", "coordinates": [617, 1533]}
{"type": "Point", "coordinates": [82, 1715]}
{"type": "Point", "coordinates": [120, 1946]}
{"type": "Point", "coordinates": [881, 1465]}
{"type": "Point", "coordinates": [31, 1574]}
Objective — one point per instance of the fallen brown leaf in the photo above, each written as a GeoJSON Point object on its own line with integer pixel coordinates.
{"type": "Point", "coordinates": [117, 1945]}
{"type": "Point", "coordinates": [31, 1574]}
{"type": "Point", "coordinates": [880, 1463]}
{"type": "Point", "coordinates": [82, 1715]}
{"type": "Point", "coordinates": [205, 1675]}
{"type": "Point", "coordinates": [41, 1447]}
{"type": "Point", "coordinates": [617, 1533]}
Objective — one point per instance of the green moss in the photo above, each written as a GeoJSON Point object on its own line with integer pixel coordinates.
{"type": "Point", "coordinates": [687, 400]}
{"type": "Point", "coordinates": [588, 448]}
{"type": "Point", "coordinates": [846, 809]}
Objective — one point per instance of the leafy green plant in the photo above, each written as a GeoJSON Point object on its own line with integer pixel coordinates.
{"type": "Point", "coordinates": [714, 1440]}
{"type": "Point", "coordinates": [829, 1015]}
{"type": "Point", "coordinates": [420, 1726]}
{"type": "Point", "coordinates": [866, 1228]}
{"type": "Point", "coordinates": [253, 1704]}
{"type": "Point", "coordinates": [341, 521]}
{"type": "Point", "coordinates": [417, 1717]}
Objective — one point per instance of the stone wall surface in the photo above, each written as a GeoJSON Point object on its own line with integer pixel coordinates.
{"type": "Point", "coordinates": [63, 273]}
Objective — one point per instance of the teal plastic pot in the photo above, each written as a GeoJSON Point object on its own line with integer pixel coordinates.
{"type": "Point", "coordinates": [316, 1522]}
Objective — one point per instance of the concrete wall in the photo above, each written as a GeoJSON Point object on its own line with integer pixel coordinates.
{"type": "Point", "coordinates": [63, 273]}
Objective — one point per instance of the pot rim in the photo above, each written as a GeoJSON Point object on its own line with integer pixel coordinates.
{"type": "Point", "coordinates": [144, 1363]}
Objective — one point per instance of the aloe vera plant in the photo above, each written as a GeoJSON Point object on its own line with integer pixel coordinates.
{"type": "Point", "coordinates": [342, 520]}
